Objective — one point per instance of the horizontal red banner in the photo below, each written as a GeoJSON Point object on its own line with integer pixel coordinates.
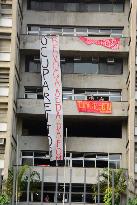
{"type": "Point", "coordinates": [104, 107]}
{"type": "Point", "coordinates": [111, 43]}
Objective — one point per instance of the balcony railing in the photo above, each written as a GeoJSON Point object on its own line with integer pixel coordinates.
{"type": "Point", "coordinates": [71, 42]}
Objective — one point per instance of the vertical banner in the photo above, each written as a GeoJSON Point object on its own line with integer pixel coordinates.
{"type": "Point", "coordinates": [52, 92]}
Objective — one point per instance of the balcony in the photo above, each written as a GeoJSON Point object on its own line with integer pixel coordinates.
{"type": "Point", "coordinates": [67, 43]}
{"type": "Point", "coordinates": [36, 107]}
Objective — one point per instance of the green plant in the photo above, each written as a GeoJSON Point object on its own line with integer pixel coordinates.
{"type": "Point", "coordinates": [120, 185]}
{"type": "Point", "coordinates": [132, 201]}
{"type": "Point", "coordinates": [108, 196]}
{"type": "Point", "coordinates": [4, 199]}
{"type": "Point", "coordinates": [22, 177]}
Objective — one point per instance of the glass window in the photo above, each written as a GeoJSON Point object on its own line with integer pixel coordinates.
{"type": "Point", "coordinates": [71, 7]}
{"type": "Point", "coordinates": [59, 6]}
{"type": "Point", "coordinates": [68, 31]}
{"type": "Point", "coordinates": [67, 68]}
{"type": "Point", "coordinates": [114, 156]}
{"type": "Point", "coordinates": [32, 64]}
{"type": "Point", "coordinates": [115, 69]}
{"type": "Point", "coordinates": [81, 30]}
{"type": "Point", "coordinates": [77, 163]}
{"type": "Point", "coordinates": [103, 68]}
{"type": "Point", "coordinates": [115, 98]}
{"type": "Point", "coordinates": [93, 7]}
{"type": "Point", "coordinates": [118, 7]}
{"type": "Point", "coordinates": [89, 163]}
{"type": "Point", "coordinates": [101, 163]}
{"type": "Point", "coordinates": [93, 31]}
{"type": "Point", "coordinates": [27, 153]}
{"type": "Point", "coordinates": [105, 32]}
{"type": "Point", "coordinates": [67, 95]}
{"type": "Point", "coordinates": [27, 161]}
{"type": "Point", "coordinates": [106, 7]}
{"type": "Point", "coordinates": [46, 6]}
{"type": "Point", "coordinates": [82, 7]}
{"type": "Point", "coordinates": [88, 68]}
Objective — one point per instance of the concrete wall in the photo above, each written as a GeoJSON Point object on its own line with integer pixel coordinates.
{"type": "Point", "coordinates": [36, 107]}
{"type": "Point", "coordinates": [32, 42]}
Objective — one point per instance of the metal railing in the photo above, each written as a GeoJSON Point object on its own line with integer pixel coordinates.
{"type": "Point", "coordinates": [66, 192]}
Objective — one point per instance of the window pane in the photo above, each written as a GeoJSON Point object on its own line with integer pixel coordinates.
{"type": "Point", "coordinates": [41, 162]}
{"type": "Point", "coordinates": [92, 7]}
{"type": "Point", "coordinates": [114, 156]}
{"type": "Point", "coordinates": [101, 164]}
{"type": "Point", "coordinates": [93, 31]}
{"type": "Point", "coordinates": [26, 161]}
{"type": "Point", "coordinates": [89, 163]}
{"type": "Point", "coordinates": [103, 69]}
{"type": "Point", "coordinates": [59, 6]}
{"type": "Point", "coordinates": [114, 69]}
{"type": "Point", "coordinates": [112, 164]}
{"type": "Point", "coordinates": [71, 7]}
{"type": "Point", "coordinates": [118, 7]}
{"type": "Point", "coordinates": [67, 67]}
{"type": "Point", "coordinates": [85, 68]}
{"type": "Point", "coordinates": [115, 98]}
{"type": "Point", "coordinates": [77, 163]}
{"type": "Point", "coordinates": [81, 30]}
{"type": "Point", "coordinates": [106, 8]}
{"type": "Point", "coordinates": [27, 153]}
{"type": "Point", "coordinates": [80, 97]}
{"type": "Point", "coordinates": [77, 197]}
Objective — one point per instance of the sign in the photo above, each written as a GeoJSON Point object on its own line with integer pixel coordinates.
{"type": "Point", "coordinates": [102, 107]}
{"type": "Point", "coordinates": [111, 43]}
{"type": "Point", "coordinates": [52, 92]}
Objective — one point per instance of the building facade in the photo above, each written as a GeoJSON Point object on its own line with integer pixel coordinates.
{"type": "Point", "coordinates": [101, 73]}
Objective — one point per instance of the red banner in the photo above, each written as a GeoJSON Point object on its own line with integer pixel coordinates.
{"type": "Point", "coordinates": [104, 107]}
{"type": "Point", "coordinates": [111, 43]}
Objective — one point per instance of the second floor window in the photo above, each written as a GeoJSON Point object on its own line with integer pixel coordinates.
{"type": "Point", "coordinates": [93, 65]}
{"type": "Point", "coordinates": [80, 65]}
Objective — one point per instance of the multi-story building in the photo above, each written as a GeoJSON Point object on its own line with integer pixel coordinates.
{"type": "Point", "coordinates": [9, 79]}
{"type": "Point", "coordinates": [94, 140]}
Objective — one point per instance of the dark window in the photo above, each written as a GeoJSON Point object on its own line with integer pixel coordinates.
{"type": "Point", "coordinates": [32, 64]}
{"type": "Point", "coordinates": [76, 6]}
{"type": "Point", "coordinates": [108, 66]}
{"type": "Point", "coordinates": [34, 127]}
{"type": "Point", "coordinates": [99, 128]}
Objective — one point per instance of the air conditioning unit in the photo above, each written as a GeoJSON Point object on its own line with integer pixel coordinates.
{"type": "Point", "coordinates": [110, 60]}
{"type": "Point", "coordinates": [95, 59]}
{"type": "Point", "coordinates": [2, 141]}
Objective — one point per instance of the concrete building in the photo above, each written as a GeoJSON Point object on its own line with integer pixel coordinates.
{"type": "Point", "coordinates": [95, 140]}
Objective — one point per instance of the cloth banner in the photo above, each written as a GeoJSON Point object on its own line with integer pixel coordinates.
{"type": "Point", "coordinates": [104, 107]}
{"type": "Point", "coordinates": [52, 92]}
{"type": "Point", "coordinates": [111, 43]}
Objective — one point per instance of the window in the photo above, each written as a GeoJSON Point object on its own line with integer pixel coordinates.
{"type": "Point", "coordinates": [74, 159]}
{"type": "Point", "coordinates": [32, 64]}
{"type": "Point", "coordinates": [35, 158]}
{"type": "Point", "coordinates": [108, 66]}
{"type": "Point", "coordinates": [77, 6]}
{"type": "Point", "coordinates": [34, 127]}
{"type": "Point", "coordinates": [99, 129]}
{"type": "Point", "coordinates": [85, 94]}
{"type": "Point", "coordinates": [33, 93]}
{"type": "Point", "coordinates": [75, 31]}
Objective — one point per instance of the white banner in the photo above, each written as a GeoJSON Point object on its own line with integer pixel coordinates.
{"type": "Point", "coordinates": [52, 92]}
